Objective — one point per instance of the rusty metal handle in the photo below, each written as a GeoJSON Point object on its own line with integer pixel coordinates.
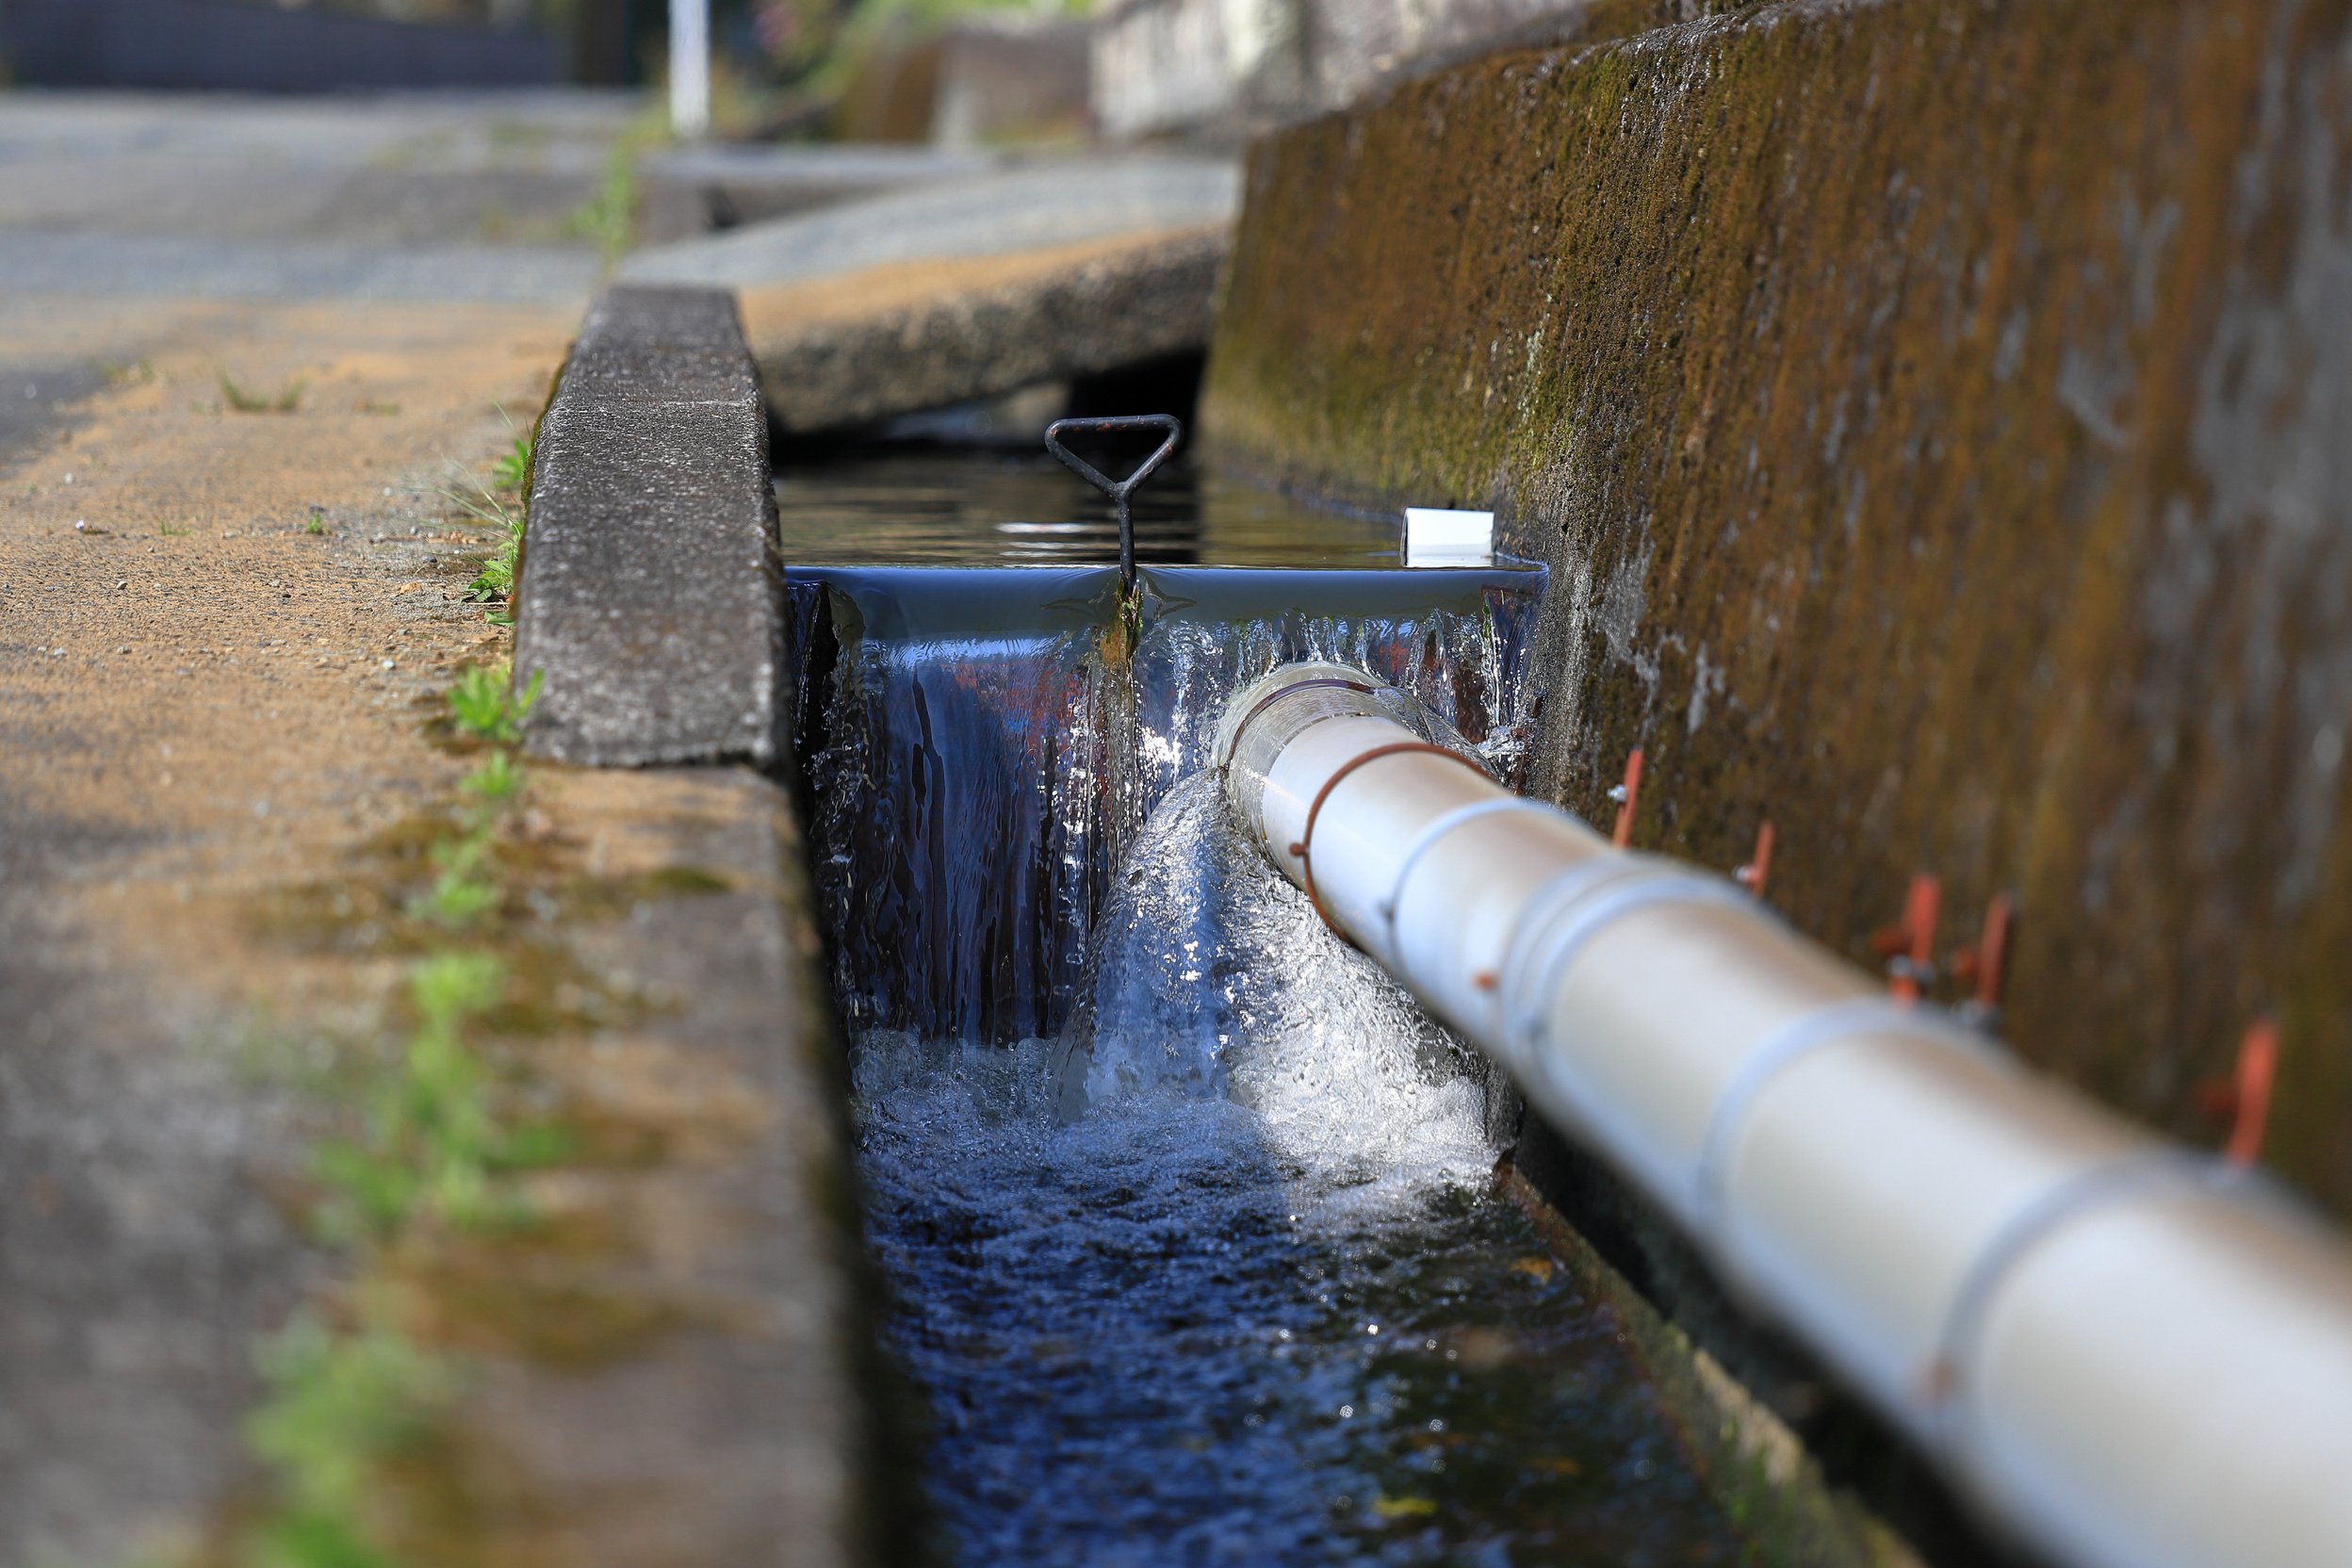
{"type": "Point", "coordinates": [1118, 490]}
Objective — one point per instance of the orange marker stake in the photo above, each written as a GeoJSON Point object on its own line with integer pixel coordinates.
{"type": "Point", "coordinates": [1759, 866]}
{"type": "Point", "coordinates": [2257, 1068]}
{"type": "Point", "coordinates": [1916, 966]}
{"type": "Point", "coordinates": [1628, 798]}
{"type": "Point", "coordinates": [1992, 948]}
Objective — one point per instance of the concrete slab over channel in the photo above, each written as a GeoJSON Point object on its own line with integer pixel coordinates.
{"type": "Point", "coordinates": [650, 604]}
{"type": "Point", "coordinates": [967, 290]}
{"type": "Point", "coordinates": [689, 192]}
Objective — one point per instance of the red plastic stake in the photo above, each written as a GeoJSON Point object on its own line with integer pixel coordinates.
{"type": "Point", "coordinates": [1759, 866]}
{"type": "Point", "coordinates": [2258, 1069]}
{"type": "Point", "coordinates": [1916, 964]}
{"type": "Point", "coordinates": [1628, 798]}
{"type": "Point", "coordinates": [1992, 951]}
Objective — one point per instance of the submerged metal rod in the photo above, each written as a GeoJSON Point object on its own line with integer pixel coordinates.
{"type": "Point", "coordinates": [1119, 490]}
{"type": "Point", "coordinates": [2124, 1352]}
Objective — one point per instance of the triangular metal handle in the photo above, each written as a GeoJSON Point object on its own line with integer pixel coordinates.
{"type": "Point", "coordinates": [1116, 489]}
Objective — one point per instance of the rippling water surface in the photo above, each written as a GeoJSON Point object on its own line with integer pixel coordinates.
{"type": "Point", "coordinates": [932, 506]}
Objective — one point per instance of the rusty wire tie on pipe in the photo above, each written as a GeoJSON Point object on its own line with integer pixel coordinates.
{"type": "Point", "coordinates": [1300, 852]}
{"type": "Point", "coordinates": [1119, 490]}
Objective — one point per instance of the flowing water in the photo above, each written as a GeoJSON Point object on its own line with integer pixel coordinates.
{"type": "Point", "coordinates": [914, 505]}
{"type": "Point", "coordinates": [1185, 1207]}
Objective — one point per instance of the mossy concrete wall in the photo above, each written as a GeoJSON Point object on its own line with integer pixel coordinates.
{"type": "Point", "coordinates": [1937, 416]}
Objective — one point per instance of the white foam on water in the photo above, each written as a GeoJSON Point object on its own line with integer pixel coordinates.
{"type": "Point", "coordinates": [1210, 973]}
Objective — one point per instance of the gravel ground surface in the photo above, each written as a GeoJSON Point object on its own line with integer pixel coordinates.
{"type": "Point", "coordinates": [198, 699]}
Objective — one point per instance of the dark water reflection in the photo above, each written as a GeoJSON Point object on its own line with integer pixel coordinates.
{"type": "Point", "coordinates": [960, 506]}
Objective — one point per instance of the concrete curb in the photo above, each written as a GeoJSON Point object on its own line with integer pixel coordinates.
{"type": "Point", "coordinates": [650, 602]}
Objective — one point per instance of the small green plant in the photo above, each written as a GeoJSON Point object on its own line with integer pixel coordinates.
{"type": "Point", "coordinates": [610, 217]}
{"type": "Point", "coordinates": [464, 891]}
{"type": "Point", "coordinates": [133, 373]}
{"type": "Point", "coordinates": [172, 530]}
{"type": "Point", "coordinates": [496, 781]}
{"type": "Point", "coordinates": [495, 579]}
{"type": "Point", "coordinates": [483, 705]}
{"type": "Point", "coordinates": [428, 1139]}
{"type": "Point", "coordinates": [287, 400]}
{"type": "Point", "coordinates": [512, 473]}
{"type": "Point", "coordinates": [382, 409]}
{"type": "Point", "coordinates": [340, 1405]}
{"type": "Point", "coordinates": [316, 522]}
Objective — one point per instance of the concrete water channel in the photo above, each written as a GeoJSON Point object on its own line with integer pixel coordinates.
{"type": "Point", "coordinates": [1186, 1211]}
{"type": "Point", "coordinates": [1187, 1218]}
{"type": "Point", "coordinates": [1196, 1237]}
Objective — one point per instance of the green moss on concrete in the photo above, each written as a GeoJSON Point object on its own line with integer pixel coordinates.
{"type": "Point", "coordinates": [1935, 418]}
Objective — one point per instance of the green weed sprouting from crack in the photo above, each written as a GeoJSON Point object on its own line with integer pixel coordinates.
{"type": "Point", "coordinates": [501, 505]}
{"type": "Point", "coordinates": [608, 218]}
{"type": "Point", "coordinates": [431, 1142]}
{"type": "Point", "coordinates": [499, 778]}
{"type": "Point", "coordinates": [341, 1403]}
{"type": "Point", "coordinates": [512, 472]}
{"type": "Point", "coordinates": [427, 1147]}
{"type": "Point", "coordinates": [284, 401]}
{"type": "Point", "coordinates": [463, 891]}
{"type": "Point", "coordinates": [485, 705]}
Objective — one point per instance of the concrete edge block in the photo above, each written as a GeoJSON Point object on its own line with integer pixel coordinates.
{"type": "Point", "coordinates": [649, 598]}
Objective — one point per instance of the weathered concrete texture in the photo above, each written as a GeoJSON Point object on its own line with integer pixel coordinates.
{"type": "Point", "coordinates": [918, 335]}
{"type": "Point", "coordinates": [909, 301]}
{"type": "Point", "coordinates": [1208, 68]}
{"type": "Point", "coordinates": [196, 693]}
{"type": "Point", "coordinates": [140, 1259]}
{"type": "Point", "coordinates": [651, 597]}
{"type": "Point", "coordinates": [696, 1384]}
{"type": "Point", "coordinates": [1938, 418]}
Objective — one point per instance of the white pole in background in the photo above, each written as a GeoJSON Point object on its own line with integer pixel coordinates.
{"type": "Point", "coordinates": [690, 69]}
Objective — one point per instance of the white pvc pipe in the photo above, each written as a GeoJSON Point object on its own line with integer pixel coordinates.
{"type": "Point", "coordinates": [690, 69]}
{"type": "Point", "coordinates": [2127, 1354]}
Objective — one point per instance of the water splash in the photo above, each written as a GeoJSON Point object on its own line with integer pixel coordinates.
{"type": "Point", "coordinates": [1199, 947]}
{"type": "Point", "coordinates": [980, 752]}
{"type": "Point", "coordinates": [1183, 1203]}
{"type": "Point", "coordinates": [1215, 1278]}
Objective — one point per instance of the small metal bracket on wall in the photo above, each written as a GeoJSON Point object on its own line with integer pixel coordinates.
{"type": "Point", "coordinates": [1119, 490]}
